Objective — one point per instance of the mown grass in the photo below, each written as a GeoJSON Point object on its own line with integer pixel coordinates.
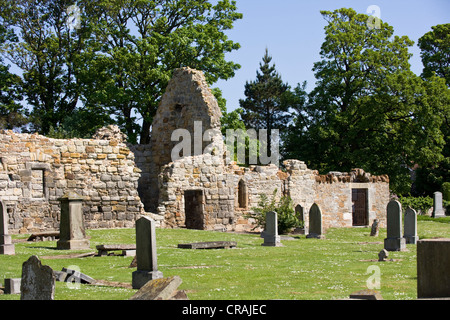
{"type": "Point", "coordinates": [304, 269]}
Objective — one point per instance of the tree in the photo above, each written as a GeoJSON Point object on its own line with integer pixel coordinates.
{"type": "Point", "coordinates": [11, 111]}
{"type": "Point", "coordinates": [135, 46]}
{"type": "Point", "coordinates": [435, 52]}
{"type": "Point", "coordinates": [266, 105]}
{"type": "Point", "coordinates": [48, 53]}
{"type": "Point", "coordinates": [368, 109]}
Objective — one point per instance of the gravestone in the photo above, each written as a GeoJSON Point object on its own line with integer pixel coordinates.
{"type": "Point", "coordinates": [146, 256]}
{"type": "Point", "coordinates": [410, 232]}
{"type": "Point", "coordinates": [375, 228]}
{"type": "Point", "coordinates": [72, 235]}
{"type": "Point", "coordinates": [315, 223]}
{"type": "Point", "coordinates": [38, 281]}
{"type": "Point", "coordinates": [12, 285]}
{"type": "Point", "coordinates": [433, 265]}
{"type": "Point", "coordinates": [438, 209]}
{"type": "Point", "coordinates": [158, 289]}
{"type": "Point", "coordinates": [383, 255]}
{"type": "Point", "coordinates": [271, 237]}
{"type": "Point", "coordinates": [394, 240]}
{"type": "Point", "coordinates": [6, 246]}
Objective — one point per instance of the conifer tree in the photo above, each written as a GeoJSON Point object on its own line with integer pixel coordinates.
{"type": "Point", "coordinates": [266, 105]}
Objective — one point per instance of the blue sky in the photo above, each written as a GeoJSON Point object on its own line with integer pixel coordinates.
{"type": "Point", "coordinates": [293, 31]}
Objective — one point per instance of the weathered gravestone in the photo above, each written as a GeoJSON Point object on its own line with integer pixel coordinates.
{"type": "Point", "coordinates": [375, 228]}
{"type": "Point", "coordinates": [146, 256]}
{"type": "Point", "coordinates": [6, 246]}
{"type": "Point", "coordinates": [383, 255]}
{"type": "Point", "coordinates": [12, 285]}
{"type": "Point", "coordinates": [271, 237]}
{"type": "Point", "coordinates": [433, 268]}
{"type": "Point", "coordinates": [438, 209]}
{"type": "Point", "coordinates": [410, 232]}
{"type": "Point", "coordinates": [394, 240]}
{"type": "Point", "coordinates": [38, 281]}
{"type": "Point", "coordinates": [315, 223]}
{"type": "Point", "coordinates": [159, 289]}
{"type": "Point", "coordinates": [72, 235]}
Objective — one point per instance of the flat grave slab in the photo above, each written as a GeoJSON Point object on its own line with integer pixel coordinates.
{"type": "Point", "coordinates": [43, 236]}
{"type": "Point", "coordinates": [127, 249]}
{"type": "Point", "coordinates": [209, 245]}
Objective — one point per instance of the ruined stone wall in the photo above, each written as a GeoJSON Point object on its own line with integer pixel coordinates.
{"type": "Point", "coordinates": [186, 101]}
{"type": "Point", "coordinates": [35, 171]}
{"type": "Point", "coordinates": [206, 173]}
{"type": "Point", "coordinates": [333, 194]}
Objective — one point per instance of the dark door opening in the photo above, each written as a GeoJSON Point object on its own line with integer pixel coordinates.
{"type": "Point", "coordinates": [360, 207]}
{"type": "Point", "coordinates": [193, 208]}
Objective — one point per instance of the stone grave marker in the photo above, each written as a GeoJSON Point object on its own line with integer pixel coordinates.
{"type": "Point", "coordinates": [159, 289]}
{"type": "Point", "coordinates": [38, 281]}
{"type": "Point", "coordinates": [383, 255]}
{"type": "Point", "coordinates": [375, 228]}
{"type": "Point", "coordinates": [146, 256]}
{"type": "Point", "coordinates": [12, 285]}
{"type": "Point", "coordinates": [271, 237]}
{"type": "Point", "coordinates": [72, 235]}
{"type": "Point", "coordinates": [410, 229]}
{"type": "Point", "coordinates": [433, 265]}
{"type": "Point", "coordinates": [394, 240]}
{"type": "Point", "coordinates": [6, 246]}
{"type": "Point", "coordinates": [315, 223]}
{"type": "Point", "coordinates": [438, 209]}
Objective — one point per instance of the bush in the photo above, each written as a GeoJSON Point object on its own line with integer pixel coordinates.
{"type": "Point", "coordinates": [420, 204]}
{"type": "Point", "coordinates": [287, 218]}
{"type": "Point", "coordinates": [446, 191]}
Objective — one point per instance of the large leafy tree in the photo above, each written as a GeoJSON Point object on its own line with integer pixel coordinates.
{"type": "Point", "coordinates": [136, 44]}
{"type": "Point", "coordinates": [11, 111]}
{"type": "Point", "coordinates": [47, 52]}
{"type": "Point", "coordinates": [435, 53]}
{"type": "Point", "coordinates": [368, 109]}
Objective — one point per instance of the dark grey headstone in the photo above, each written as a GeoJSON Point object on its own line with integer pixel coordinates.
{"type": "Point", "coordinates": [147, 263]}
{"type": "Point", "coordinates": [394, 240]}
{"type": "Point", "coordinates": [38, 281]}
{"type": "Point", "coordinates": [410, 232]}
{"type": "Point", "coordinates": [315, 222]}
{"type": "Point", "coordinates": [270, 235]}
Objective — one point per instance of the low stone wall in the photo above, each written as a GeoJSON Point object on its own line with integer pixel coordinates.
{"type": "Point", "coordinates": [35, 171]}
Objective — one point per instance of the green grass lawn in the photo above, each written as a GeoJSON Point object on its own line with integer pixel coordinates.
{"type": "Point", "coordinates": [304, 269]}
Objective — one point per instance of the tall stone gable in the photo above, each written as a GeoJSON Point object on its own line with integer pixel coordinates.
{"type": "Point", "coordinates": [187, 100]}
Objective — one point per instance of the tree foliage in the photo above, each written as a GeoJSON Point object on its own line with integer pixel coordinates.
{"type": "Point", "coordinates": [368, 110]}
{"type": "Point", "coordinates": [115, 65]}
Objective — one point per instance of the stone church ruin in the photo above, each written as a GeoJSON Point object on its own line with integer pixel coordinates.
{"type": "Point", "coordinates": [120, 182]}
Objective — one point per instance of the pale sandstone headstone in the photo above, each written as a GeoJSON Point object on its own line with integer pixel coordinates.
{"type": "Point", "coordinates": [38, 281]}
{"type": "Point", "coordinates": [394, 240]}
{"type": "Point", "coordinates": [72, 235]}
{"type": "Point", "coordinates": [146, 256]}
{"type": "Point", "coordinates": [158, 289]}
{"type": "Point", "coordinates": [6, 246]}
{"type": "Point", "coordinates": [438, 209]}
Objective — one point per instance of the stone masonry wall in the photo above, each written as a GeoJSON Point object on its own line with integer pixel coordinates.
{"type": "Point", "coordinates": [35, 171]}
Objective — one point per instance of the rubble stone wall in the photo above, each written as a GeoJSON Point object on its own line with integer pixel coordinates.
{"type": "Point", "coordinates": [36, 171]}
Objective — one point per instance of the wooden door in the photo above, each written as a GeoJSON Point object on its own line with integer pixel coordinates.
{"type": "Point", "coordinates": [360, 207]}
{"type": "Point", "coordinates": [193, 208]}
